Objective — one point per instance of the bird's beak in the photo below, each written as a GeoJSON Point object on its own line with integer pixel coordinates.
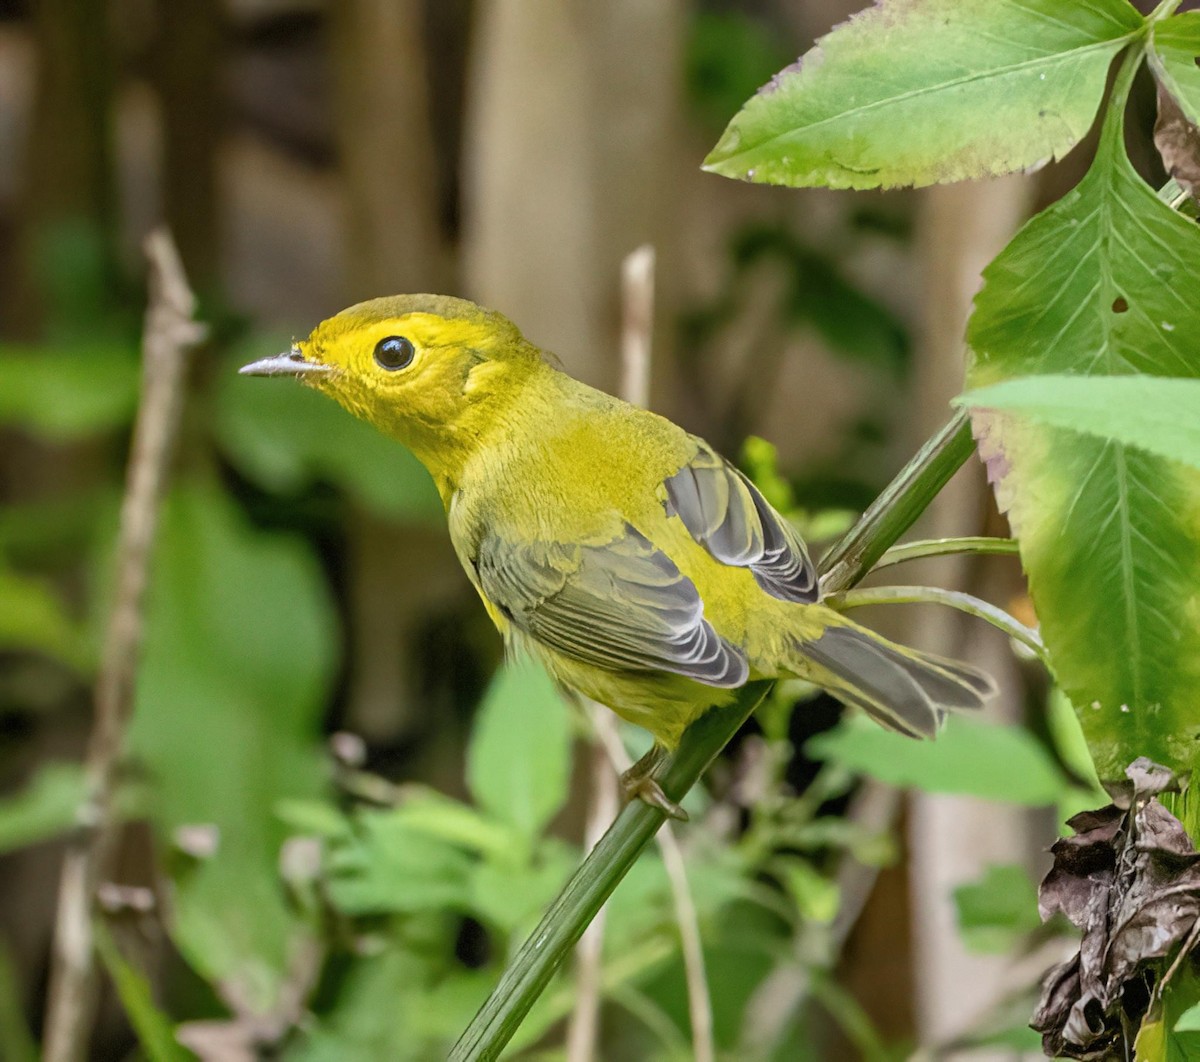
{"type": "Point", "coordinates": [290, 363]}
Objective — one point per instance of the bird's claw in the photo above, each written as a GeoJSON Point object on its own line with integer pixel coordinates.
{"type": "Point", "coordinates": [638, 783]}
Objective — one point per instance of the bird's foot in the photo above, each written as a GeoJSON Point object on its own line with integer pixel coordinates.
{"type": "Point", "coordinates": [638, 783]}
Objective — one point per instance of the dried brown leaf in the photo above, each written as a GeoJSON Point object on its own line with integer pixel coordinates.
{"type": "Point", "coordinates": [1130, 880]}
{"type": "Point", "coordinates": [1178, 142]}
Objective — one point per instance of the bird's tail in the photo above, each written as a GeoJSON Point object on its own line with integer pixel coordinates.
{"type": "Point", "coordinates": [901, 688]}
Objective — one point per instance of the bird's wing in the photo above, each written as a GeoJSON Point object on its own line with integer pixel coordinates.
{"type": "Point", "coordinates": [725, 513]}
{"type": "Point", "coordinates": [621, 606]}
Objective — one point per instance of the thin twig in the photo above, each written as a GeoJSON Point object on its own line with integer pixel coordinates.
{"type": "Point", "coordinates": [690, 947]}
{"type": "Point", "coordinates": [609, 755]}
{"type": "Point", "coordinates": [941, 547]}
{"type": "Point", "coordinates": [637, 319]}
{"type": "Point", "coordinates": [902, 501]}
{"type": "Point", "coordinates": [935, 595]}
{"type": "Point", "coordinates": [584, 1027]}
{"type": "Point", "coordinates": [169, 333]}
{"type": "Point", "coordinates": [637, 324]}
{"type": "Point", "coordinates": [637, 297]}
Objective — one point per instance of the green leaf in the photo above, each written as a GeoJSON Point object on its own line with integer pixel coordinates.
{"type": "Point", "coordinates": [285, 436]}
{"type": "Point", "coordinates": [519, 759]}
{"type": "Point", "coordinates": [760, 459]}
{"type": "Point", "coordinates": [439, 816]}
{"type": "Point", "coordinates": [1070, 745]}
{"type": "Point", "coordinates": [313, 818]}
{"type": "Point", "coordinates": [49, 805]}
{"type": "Point", "coordinates": [16, 1041]}
{"type": "Point", "coordinates": [66, 394]}
{"type": "Point", "coordinates": [32, 617]}
{"type": "Point", "coordinates": [816, 897]}
{"type": "Point", "coordinates": [1163, 1036]}
{"type": "Point", "coordinates": [995, 910]}
{"type": "Point", "coordinates": [239, 654]}
{"type": "Point", "coordinates": [1153, 414]}
{"type": "Point", "coordinates": [509, 896]}
{"type": "Point", "coordinates": [1175, 44]}
{"type": "Point", "coordinates": [387, 866]}
{"type": "Point", "coordinates": [1003, 763]}
{"type": "Point", "coordinates": [155, 1031]}
{"type": "Point", "coordinates": [924, 91]}
{"type": "Point", "coordinates": [1101, 285]}
{"type": "Point", "coordinates": [1189, 1020]}
{"type": "Point", "coordinates": [374, 1013]}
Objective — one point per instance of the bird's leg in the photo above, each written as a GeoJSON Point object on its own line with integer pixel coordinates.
{"type": "Point", "coordinates": [638, 782]}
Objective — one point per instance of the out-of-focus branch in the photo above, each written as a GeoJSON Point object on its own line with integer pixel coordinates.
{"type": "Point", "coordinates": [690, 947]}
{"type": "Point", "coordinates": [637, 324]}
{"type": "Point", "coordinates": [583, 1030]}
{"type": "Point", "coordinates": [608, 755]}
{"type": "Point", "coordinates": [169, 333]}
{"type": "Point", "coordinates": [637, 318]}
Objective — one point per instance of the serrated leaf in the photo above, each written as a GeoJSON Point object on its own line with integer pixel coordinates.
{"type": "Point", "coordinates": [924, 91]}
{"type": "Point", "coordinates": [1154, 414]}
{"type": "Point", "coordinates": [284, 437]}
{"type": "Point", "coordinates": [520, 753]}
{"type": "Point", "coordinates": [67, 394]}
{"type": "Point", "coordinates": [1101, 285]}
{"type": "Point", "coordinates": [1175, 44]}
{"type": "Point", "coordinates": [1002, 763]}
{"type": "Point", "coordinates": [239, 653]}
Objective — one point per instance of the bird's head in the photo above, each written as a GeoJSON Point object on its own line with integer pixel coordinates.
{"type": "Point", "coordinates": [432, 371]}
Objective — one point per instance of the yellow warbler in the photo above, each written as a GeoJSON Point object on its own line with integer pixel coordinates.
{"type": "Point", "coordinates": [637, 564]}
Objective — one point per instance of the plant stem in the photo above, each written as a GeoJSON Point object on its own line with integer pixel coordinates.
{"type": "Point", "coordinates": [690, 946]}
{"type": "Point", "coordinates": [534, 964]}
{"type": "Point", "coordinates": [169, 334]}
{"type": "Point", "coordinates": [935, 595]}
{"type": "Point", "coordinates": [895, 510]}
{"type": "Point", "coordinates": [568, 916]}
{"type": "Point", "coordinates": [940, 547]}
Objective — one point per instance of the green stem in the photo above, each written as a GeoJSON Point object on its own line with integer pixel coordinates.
{"type": "Point", "coordinates": [1175, 195]}
{"type": "Point", "coordinates": [940, 547]}
{"type": "Point", "coordinates": [569, 915]}
{"type": "Point", "coordinates": [1164, 10]}
{"type": "Point", "coordinates": [895, 510]}
{"type": "Point", "coordinates": [934, 595]}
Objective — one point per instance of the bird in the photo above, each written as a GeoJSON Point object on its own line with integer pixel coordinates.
{"type": "Point", "coordinates": [640, 567]}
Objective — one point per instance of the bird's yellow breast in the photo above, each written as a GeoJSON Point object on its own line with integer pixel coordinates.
{"type": "Point", "coordinates": [575, 465]}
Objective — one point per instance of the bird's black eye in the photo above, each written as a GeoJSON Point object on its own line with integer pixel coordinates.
{"type": "Point", "coordinates": [395, 352]}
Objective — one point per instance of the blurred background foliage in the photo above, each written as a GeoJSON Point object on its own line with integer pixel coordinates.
{"type": "Point", "coordinates": [340, 816]}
